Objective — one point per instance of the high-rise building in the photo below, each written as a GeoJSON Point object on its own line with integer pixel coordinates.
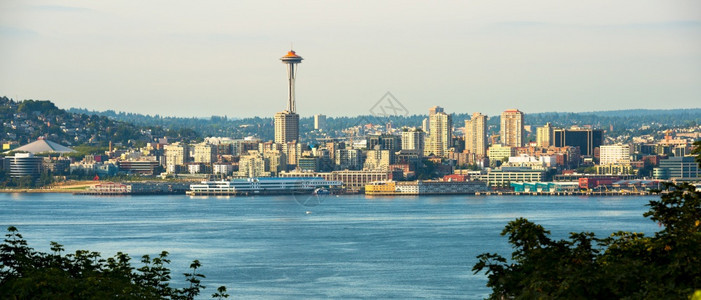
{"type": "Point", "coordinates": [177, 154]}
{"type": "Point", "coordinates": [320, 122]}
{"type": "Point", "coordinates": [287, 121]}
{"type": "Point", "coordinates": [440, 138]}
{"type": "Point", "coordinates": [252, 165]}
{"type": "Point", "coordinates": [413, 139]}
{"type": "Point", "coordinates": [512, 128]}
{"type": "Point", "coordinates": [385, 142]}
{"type": "Point", "coordinates": [425, 125]}
{"type": "Point", "coordinates": [377, 160]}
{"type": "Point", "coordinates": [434, 110]}
{"type": "Point", "coordinates": [204, 153]}
{"type": "Point", "coordinates": [286, 127]}
{"type": "Point", "coordinates": [615, 154]}
{"type": "Point", "coordinates": [544, 135]}
{"type": "Point", "coordinates": [348, 159]}
{"type": "Point", "coordinates": [476, 135]}
{"type": "Point", "coordinates": [586, 139]}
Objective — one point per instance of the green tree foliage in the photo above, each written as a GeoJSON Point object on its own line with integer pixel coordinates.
{"type": "Point", "coordinates": [623, 266]}
{"type": "Point", "coordinates": [697, 151]}
{"type": "Point", "coordinates": [28, 274]}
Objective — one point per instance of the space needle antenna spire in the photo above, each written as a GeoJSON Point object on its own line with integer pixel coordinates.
{"type": "Point", "coordinates": [291, 59]}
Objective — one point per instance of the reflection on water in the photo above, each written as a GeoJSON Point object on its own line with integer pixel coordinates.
{"type": "Point", "coordinates": [347, 247]}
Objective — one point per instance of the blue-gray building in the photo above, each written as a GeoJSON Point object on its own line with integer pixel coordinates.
{"type": "Point", "coordinates": [677, 167]}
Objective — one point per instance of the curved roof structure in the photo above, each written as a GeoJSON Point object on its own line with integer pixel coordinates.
{"type": "Point", "coordinates": [291, 56]}
{"type": "Point", "coordinates": [43, 146]}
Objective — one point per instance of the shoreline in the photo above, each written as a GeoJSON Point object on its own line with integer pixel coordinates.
{"type": "Point", "coordinates": [480, 194]}
{"type": "Point", "coordinates": [37, 191]}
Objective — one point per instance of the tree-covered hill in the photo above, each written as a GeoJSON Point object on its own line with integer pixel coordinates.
{"type": "Point", "coordinates": [622, 121]}
{"type": "Point", "coordinates": [25, 121]}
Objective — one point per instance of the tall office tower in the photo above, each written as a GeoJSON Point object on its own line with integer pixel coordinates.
{"type": "Point", "coordinates": [320, 122]}
{"type": "Point", "coordinates": [586, 139]}
{"type": "Point", "coordinates": [512, 128]}
{"type": "Point", "coordinates": [287, 121]}
{"type": "Point", "coordinates": [413, 139]}
{"type": "Point", "coordinates": [441, 137]}
{"type": "Point", "coordinates": [544, 135]}
{"type": "Point", "coordinates": [476, 135]}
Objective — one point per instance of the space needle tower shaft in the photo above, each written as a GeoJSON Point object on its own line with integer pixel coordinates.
{"type": "Point", "coordinates": [291, 60]}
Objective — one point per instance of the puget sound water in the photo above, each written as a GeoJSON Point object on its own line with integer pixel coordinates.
{"type": "Point", "coordinates": [349, 246]}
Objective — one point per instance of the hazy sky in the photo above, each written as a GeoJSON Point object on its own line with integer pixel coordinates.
{"type": "Point", "coordinates": [202, 58]}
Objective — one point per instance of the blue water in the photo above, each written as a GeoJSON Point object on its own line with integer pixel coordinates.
{"type": "Point", "coordinates": [346, 247]}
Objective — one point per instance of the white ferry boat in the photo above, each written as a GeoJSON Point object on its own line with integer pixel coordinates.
{"type": "Point", "coordinates": [265, 185]}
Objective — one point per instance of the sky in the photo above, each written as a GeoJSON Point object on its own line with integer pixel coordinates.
{"type": "Point", "coordinates": [216, 57]}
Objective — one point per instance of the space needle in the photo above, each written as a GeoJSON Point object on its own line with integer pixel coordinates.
{"type": "Point", "coordinates": [291, 60]}
{"type": "Point", "coordinates": [287, 121]}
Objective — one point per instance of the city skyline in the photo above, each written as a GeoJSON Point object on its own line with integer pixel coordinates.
{"type": "Point", "coordinates": [464, 57]}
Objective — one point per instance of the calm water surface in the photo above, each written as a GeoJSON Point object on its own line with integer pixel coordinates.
{"type": "Point", "coordinates": [346, 247]}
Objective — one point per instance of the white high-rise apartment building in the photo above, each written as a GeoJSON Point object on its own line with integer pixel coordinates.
{"type": "Point", "coordinates": [615, 154]}
{"type": "Point", "coordinates": [413, 139]}
{"type": "Point", "coordinates": [204, 153]}
{"type": "Point", "coordinates": [320, 122]}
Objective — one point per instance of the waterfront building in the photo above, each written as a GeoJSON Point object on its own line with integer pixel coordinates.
{"type": "Point", "coordinates": [505, 176]}
{"type": "Point", "coordinates": [144, 166]}
{"type": "Point", "coordinates": [512, 130]}
{"type": "Point", "coordinates": [320, 122]}
{"type": "Point", "coordinates": [194, 168]}
{"type": "Point", "coordinates": [262, 186]}
{"type": "Point", "coordinates": [615, 154]}
{"type": "Point", "coordinates": [353, 181]}
{"type": "Point", "coordinates": [586, 139]}
{"type": "Point", "coordinates": [24, 164]}
{"type": "Point", "coordinates": [545, 187]}
{"type": "Point", "coordinates": [440, 137]}
{"type": "Point", "coordinates": [680, 168]}
{"type": "Point", "coordinates": [424, 187]}
{"type": "Point", "coordinates": [615, 169]}
{"type": "Point", "coordinates": [544, 135]}
{"type": "Point", "coordinates": [476, 135]}
{"type": "Point", "coordinates": [287, 121]}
